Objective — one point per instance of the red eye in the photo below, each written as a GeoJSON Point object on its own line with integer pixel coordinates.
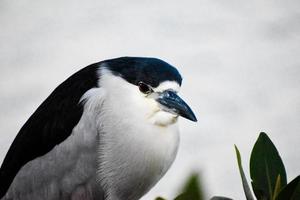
{"type": "Point", "coordinates": [144, 88]}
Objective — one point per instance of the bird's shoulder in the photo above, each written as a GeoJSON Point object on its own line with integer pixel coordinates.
{"type": "Point", "coordinates": [49, 125]}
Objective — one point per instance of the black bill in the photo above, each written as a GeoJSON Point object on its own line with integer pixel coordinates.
{"type": "Point", "coordinates": [172, 103]}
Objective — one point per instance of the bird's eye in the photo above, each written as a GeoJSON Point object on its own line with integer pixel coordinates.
{"type": "Point", "coordinates": [144, 88]}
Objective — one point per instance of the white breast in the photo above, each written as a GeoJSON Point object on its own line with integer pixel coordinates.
{"type": "Point", "coordinates": [132, 160]}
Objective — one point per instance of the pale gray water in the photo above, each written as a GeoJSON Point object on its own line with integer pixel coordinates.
{"type": "Point", "coordinates": [239, 59]}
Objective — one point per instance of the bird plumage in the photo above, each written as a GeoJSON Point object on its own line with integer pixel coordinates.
{"type": "Point", "coordinates": [97, 136]}
{"type": "Point", "coordinates": [49, 125]}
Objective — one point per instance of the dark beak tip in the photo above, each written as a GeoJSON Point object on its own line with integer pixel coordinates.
{"type": "Point", "coordinates": [193, 118]}
{"type": "Point", "coordinates": [189, 114]}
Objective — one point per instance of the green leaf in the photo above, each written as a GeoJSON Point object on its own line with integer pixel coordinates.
{"type": "Point", "coordinates": [290, 191]}
{"type": "Point", "coordinates": [191, 190]}
{"type": "Point", "coordinates": [277, 187]}
{"type": "Point", "coordinates": [159, 198]}
{"type": "Point", "coordinates": [265, 166]}
{"type": "Point", "coordinates": [220, 198]}
{"type": "Point", "coordinates": [246, 187]}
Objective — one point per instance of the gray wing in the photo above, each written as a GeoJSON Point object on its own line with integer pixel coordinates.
{"type": "Point", "coordinates": [50, 124]}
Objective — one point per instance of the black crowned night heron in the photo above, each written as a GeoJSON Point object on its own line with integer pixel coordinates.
{"type": "Point", "coordinates": [108, 132]}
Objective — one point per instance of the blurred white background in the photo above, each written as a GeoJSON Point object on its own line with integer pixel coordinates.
{"type": "Point", "coordinates": [240, 61]}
